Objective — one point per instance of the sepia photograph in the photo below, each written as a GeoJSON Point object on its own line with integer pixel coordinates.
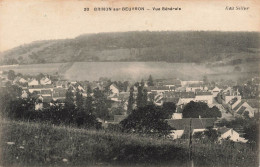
{"type": "Point", "coordinates": [118, 83]}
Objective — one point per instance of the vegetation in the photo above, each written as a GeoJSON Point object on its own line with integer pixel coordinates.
{"type": "Point", "coordinates": [190, 46]}
{"type": "Point", "coordinates": [150, 81]}
{"type": "Point", "coordinates": [248, 90]}
{"type": "Point", "coordinates": [146, 120]}
{"type": "Point", "coordinates": [131, 101]}
{"type": "Point", "coordinates": [33, 144]}
{"type": "Point", "coordinates": [249, 126]}
{"type": "Point", "coordinates": [74, 112]}
{"type": "Point", "coordinates": [200, 109]}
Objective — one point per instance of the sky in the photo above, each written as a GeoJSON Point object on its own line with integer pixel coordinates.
{"type": "Point", "coordinates": [22, 22]}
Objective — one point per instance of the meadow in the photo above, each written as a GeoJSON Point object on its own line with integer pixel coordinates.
{"type": "Point", "coordinates": [135, 71]}
{"type": "Point", "coordinates": [34, 69]}
{"type": "Point", "coordinates": [34, 144]}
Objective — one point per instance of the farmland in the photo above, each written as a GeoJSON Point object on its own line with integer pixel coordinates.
{"type": "Point", "coordinates": [134, 71]}
{"type": "Point", "coordinates": [34, 144]}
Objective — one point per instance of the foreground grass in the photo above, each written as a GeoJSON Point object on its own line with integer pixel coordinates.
{"type": "Point", "coordinates": [31, 144]}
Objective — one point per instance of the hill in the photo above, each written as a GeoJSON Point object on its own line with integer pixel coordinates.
{"type": "Point", "coordinates": [190, 46]}
{"type": "Point", "coordinates": [35, 144]}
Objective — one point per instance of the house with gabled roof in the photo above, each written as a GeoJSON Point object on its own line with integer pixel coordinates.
{"type": "Point", "coordinates": [215, 91]}
{"type": "Point", "coordinates": [45, 81]}
{"type": "Point", "coordinates": [182, 126]}
{"type": "Point", "coordinates": [114, 89]}
{"type": "Point", "coordinates": [242, 108]}
{"type": "Point", "coordinates": [59, 93]}
{"type": "Point", "coordinates": [33, 82]}
{"type": "Point", "coordinates": [230, 134]}
{"type": "Point", "coordinates": [195, 87]}
{"type": "Point", "coordinates": [205, 97]}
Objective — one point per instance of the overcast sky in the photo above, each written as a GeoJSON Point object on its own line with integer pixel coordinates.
{"type": "Point", "coordinates": [25, 21]}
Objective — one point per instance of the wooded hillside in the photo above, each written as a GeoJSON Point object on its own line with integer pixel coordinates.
{"type": "Point", "coordinates": [192, 46]}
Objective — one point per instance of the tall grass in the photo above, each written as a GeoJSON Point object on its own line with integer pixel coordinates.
{"type": "Point", "coordinates": [33, 144]}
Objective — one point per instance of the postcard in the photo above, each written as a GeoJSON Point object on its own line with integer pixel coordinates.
{"type": "Point", "coordinates": [129, 83]}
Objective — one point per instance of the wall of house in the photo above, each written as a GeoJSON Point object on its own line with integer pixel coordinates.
{"type": "Point", "coordinates": [177, 116]}
{"type": "Point", "coordinates": [234, 136]}
{"type": "Point", "coordinates": [205, 98]}
{"type": "Point", "coordinates": [228, 98]}
{"type": "Point", "coordinates": [175, 134]}
{"type": "Point", "coordinates": [185, 100]}
{"type": "Point", "coordinates": [33, 83]}
{"type": "Point", "coordinates": [114, 90]}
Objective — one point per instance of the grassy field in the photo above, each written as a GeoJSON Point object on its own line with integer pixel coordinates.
{"type": "Point", "coordinates": [135, 71]}
{"type": "Point", "coordinates": [141, 70]}
{"type": "Point", "coordinates": [32, 144]}
{"type": "Point", "coordinates": [35, 69]}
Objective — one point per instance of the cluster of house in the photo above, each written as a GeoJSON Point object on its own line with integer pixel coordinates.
{"type": "Point", "coordinates": [183, 126]}
{"type": "Point", "coordinates": [183, 92]}
{"type": "Point", "coordinates": [171, 90]}
{"type": "Point", "coordinates": [233, 101]}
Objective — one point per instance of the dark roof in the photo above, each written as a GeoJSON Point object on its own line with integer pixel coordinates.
{"type": "Point", "coordinates": [203, 93]}
{"type": "Point", "coordinates": [223, 130]}
{"type": "Point", "coordinates": [46, 91]}
{"type": "Point", "coordinates": [174, 100]}
{"type": "Point", "coordinates": [241, 110]}
{"type": "Point", "coordinates": [237, 106]}
{"type": "Point", "coordinates": [179, 95]}
{"type": "Point", "coordinates": [196, 123]}
{"type": "Point", "coordinates": [233, 101]}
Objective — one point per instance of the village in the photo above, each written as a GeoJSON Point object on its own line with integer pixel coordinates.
{"type": "Point", "coordinates": [227, 98]}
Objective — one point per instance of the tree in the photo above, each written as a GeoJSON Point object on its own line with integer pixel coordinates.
{"type": "Point", "coordinates": [146, 120]}
{"type": "Point", "coordinates": [211, 134]}
{"type": "Point", "coordinates": [252, 132]}
{"type": "Point", "coordinates": [200, 109]}
{"type": "Point", "coordinates": [145, 97]}
{"type": "Point", "coordinates": [139, 97]}
{"type": "Point", "coordinates": [89, 101]}
{"type": "Point", "coordinates": [101, 104]}
{"type": "Point", "coordinates": [142, 97]}
{"type": "Point", "coordinates": [131, 101]}
{"type": "Point", "coordinates": [79, 99]}
{"type": "Point", "coordinates": [11, 75]}
{"type": "Point", "coordinates": [69, 100]}
{"type": "Point", "coordinates": [150, 81]}
{"type": "Point", "coordinates": [168, 108]}
{"type": "Point", "coordinates": [40, 76]}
